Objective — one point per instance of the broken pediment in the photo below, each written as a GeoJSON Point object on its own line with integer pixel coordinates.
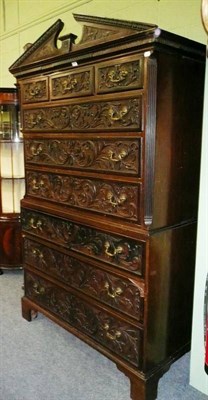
{"type": "Point", "coordinates": [46, 46]}
{"type": "Point", "coordinates": [96, 31]}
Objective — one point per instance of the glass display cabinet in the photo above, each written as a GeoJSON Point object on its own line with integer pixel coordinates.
{"type": "Point", "coordinates": [12, 184]}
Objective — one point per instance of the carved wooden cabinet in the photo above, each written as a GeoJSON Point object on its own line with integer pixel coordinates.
{"type": "Point", "coordinates": [112, 134]}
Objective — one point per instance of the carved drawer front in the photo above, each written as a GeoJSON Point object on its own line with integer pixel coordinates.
{"type": "Point", "coordinates": [124, 114]}
{"type": "Point", "coordinates": [104, 197]}
{"type": "Point", "coordinates": [122, 294]}
{"type": "Point", "coordinates": [120, 75]}
{"type": "Point", "coordinates": [116, 250]}
{"type": "Point", "coordinates": [114, 334]}
{"type": "Point", "coordinates": [72, 84]}
{"type": "Point", "coordinates": [105, 155]}
{"type": "Point", "coordinates": [35, 90]}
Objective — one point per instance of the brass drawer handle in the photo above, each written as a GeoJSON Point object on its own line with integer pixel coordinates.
{"type": "Point", "coordinates": [38, 289]}
{"type": "Point", "coordinates": [36, 186]}
{"type": "Point", "coordinates": [69, 84]}
{"type": "Point", "coordinates": [117, 292]}
{"type": "Point", "coordinates": [36, 151]}
{"type": "Point", "coordinates": [34, 91]}
{"type": "Point", "coordinates": [37, 252]}
{"type": "Point", "coordinates": [117, 75]}
{"type": "Point", "coordinates": [38, 224]}
{"type": "Point", "coordinates": [117, 250]}
{"type": "Point", "coordinates": [119, 157]}
{"type": "Point", "coordinates": [117, 115]}
{"type": "Point", "coordinates": [119, 201]}
{"type": "Point", "coordinates": [110, 336]}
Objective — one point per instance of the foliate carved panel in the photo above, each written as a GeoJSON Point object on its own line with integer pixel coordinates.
{"type": "Point", "coordinates": [115, 250]}
{"type": "Point", "coordinates": [109, 115]}
{"type": "Point", "coordinates": [34, 90]}
{"type": "Point", "coordinates": [91, 33]}
{"type": "Point", "coordinates": [122, 294]}
{"type": "Point", "coordinates": [73, 84]}
{"type": "Point", "coordinates": [120, 76]}
{"type": "Point", "coordinates": [100, 154]}
{"type": "Point", "coordinates": [116, 335]}
{"type": "Point", "coordinates": [119, 200]}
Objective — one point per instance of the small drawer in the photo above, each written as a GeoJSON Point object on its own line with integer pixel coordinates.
{"type": "Point", "coordinates": [35, 90]}
{"type": "Point", "coordinates": [72, 84]}
{"type": "Point", "coordinates": [112, 333]}
{"type": "Point", "coordinates": [116, 250]}
{"type": "Point", "coordinates": [120, 75]}
{"type": "Point", "coordinates": [104, 154]}
{"type": "Point", "coordinates": [120, 115]}
{"type": "Point", "coordinates": [125, 295]}
{"type": "Point", "coordinates": [121, 200]}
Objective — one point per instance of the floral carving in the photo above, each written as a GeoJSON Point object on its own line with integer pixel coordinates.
{"type": "Point", "coordinates": [123, 114]}
{"type": "Point", "coordinates": [118, 292]}
{"type": "Point", "coordinates": [116, 199]}
{"type": "Point", "coordinates": [91, 33]}
{"type": "Point", "coordinates": [35, 91]}
{"type": "Point", "coordinates": [72, 84]}
{"type": "Point", "coordinates": [125, 75]}
{"type": "Point", "coordinates": [118, 251]}
{"type": "Point", "coordinates": [104, 155]}
{"type": "Point", "coordinates": [116, 335]}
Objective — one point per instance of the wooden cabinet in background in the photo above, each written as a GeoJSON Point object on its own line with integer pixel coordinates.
{"type": "Point", "coordinates": [112, 134]}
{"type": "Point", "coordinates": [11, 180]}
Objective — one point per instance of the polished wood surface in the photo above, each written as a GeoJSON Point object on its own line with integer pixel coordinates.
{"type": "Point", "coordinates": [112, 133]}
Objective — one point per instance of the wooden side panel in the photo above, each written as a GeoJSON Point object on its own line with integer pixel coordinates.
{"type": "Point", "coordinates": [180, 86]}
{"type": "Point", "coordinates": [170, 293]}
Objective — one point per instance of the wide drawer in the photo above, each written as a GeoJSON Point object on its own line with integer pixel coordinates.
{"type": "Point", "coordinates": [125, 295]}
{"type": "Point", "coordinates": [123, 114]}
{"type": "Point", "coordinates": [121, 200]}
{"type": "Point", "coordinates": [114, 334]}
{"type": "Point", "coordinates": [116, 250]}
{"type": "Point", "coordinates": [104, 154]}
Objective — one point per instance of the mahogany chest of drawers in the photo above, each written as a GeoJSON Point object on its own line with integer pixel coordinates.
{"type": "Point", "coordinates": [112, 135]}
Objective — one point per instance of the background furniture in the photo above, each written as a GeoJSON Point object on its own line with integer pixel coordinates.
{"type": "Point", "coordinates": [112, 133]}
{"type": "Point", "coordinates": [11, 180]}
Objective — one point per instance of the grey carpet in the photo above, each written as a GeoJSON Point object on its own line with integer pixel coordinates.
{"type": "Point", "coordinates": [41, 361]}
